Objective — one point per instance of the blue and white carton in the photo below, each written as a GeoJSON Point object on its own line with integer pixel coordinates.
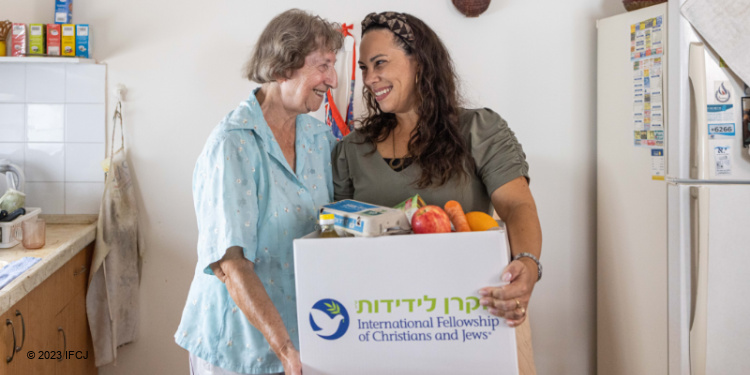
{"type": "Point", "coordinates": [82, 41]}
{"type": "Point", "coordinates": [63, 11]}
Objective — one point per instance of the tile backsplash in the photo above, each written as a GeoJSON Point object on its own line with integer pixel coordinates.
{"type": "Point", "coordinates": [52, 124]}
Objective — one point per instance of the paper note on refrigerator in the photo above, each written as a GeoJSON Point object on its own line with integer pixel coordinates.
{"type": "Point", "coordinates": [646, 52]}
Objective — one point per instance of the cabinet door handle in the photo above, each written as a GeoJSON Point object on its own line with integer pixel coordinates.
{"type": "Point", "coordinates": [65, 342]}
{"type": "Point", "coordinates": [8, 322]}
{"type": "Point", "coordinates": [23, 331]}
{"type": "Point", "coordinates": [80, 271]}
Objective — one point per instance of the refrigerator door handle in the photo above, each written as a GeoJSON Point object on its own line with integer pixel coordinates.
{"type": "Point", "coordinates": [694, 239]}
{"type": "Point", "coordinates": [698, 111]}
{"type": "Point", "coordinates": [699, 278]}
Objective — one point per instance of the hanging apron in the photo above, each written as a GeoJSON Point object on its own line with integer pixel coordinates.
{"type": "Point", "coordinates": [341, 126]}
{"type": "Point", "coordinates": [112, 297]}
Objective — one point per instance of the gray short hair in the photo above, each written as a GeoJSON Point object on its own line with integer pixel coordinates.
{"type": "Point", "coordinates": [286, 41]}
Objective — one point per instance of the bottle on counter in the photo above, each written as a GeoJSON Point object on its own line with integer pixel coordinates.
{"type": "Point", "coordinates": [326, 226]}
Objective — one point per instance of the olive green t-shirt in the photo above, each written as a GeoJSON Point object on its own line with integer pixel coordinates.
{"type": "Point", "coordinates": [363, 175]}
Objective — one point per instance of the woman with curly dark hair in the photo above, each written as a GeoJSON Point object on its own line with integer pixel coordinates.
{"type": "Point", "coordinates": [416, 139]}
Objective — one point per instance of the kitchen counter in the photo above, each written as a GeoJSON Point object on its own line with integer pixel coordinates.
{"type": "Point", "coordinates": [66, 236]}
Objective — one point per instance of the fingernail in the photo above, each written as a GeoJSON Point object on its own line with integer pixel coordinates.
{"type": "Point", "coordinates": [484, 302]}
{"type": "Point", "coordinates": [506, 276]}
{"type": "Point", "coordinates": [493, 311]}
{"type": "Point", "coordinates": [509, 323]}
{"type": "Point", "coordinates": [483, 293]}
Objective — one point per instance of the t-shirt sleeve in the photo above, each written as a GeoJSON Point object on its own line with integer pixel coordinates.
{"type": "Point", "coordinates": [225, 201]}
{"type": "Point", "coordinates": [343, 187]}
{"type": "Point", "coordinates": [498, 155]}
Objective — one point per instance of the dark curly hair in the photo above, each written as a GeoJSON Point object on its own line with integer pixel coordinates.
{"type": "Point", "coordinates": [436, 144]}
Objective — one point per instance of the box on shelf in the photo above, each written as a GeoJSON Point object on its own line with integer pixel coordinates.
{"type": "Point", "coordinates": [7, 229]}
{"type": "Point", "coordinates": [36, 39]}
{"type": "Point", "coordinates": [18, 40]}
{"type": "Point", "coordinates": [392, 304]}
{"type": "Point", "coordinates": [68, 40]}
{"type": "Point", "coordinates": [82, 40]}
{"type": "Point", "coordinates": [63, 11]}
{"type": "Point", "coordinates": [53, 39]}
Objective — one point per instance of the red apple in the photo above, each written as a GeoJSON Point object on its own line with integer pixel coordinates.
{"type": "Point", "coordinates": [430, 219]}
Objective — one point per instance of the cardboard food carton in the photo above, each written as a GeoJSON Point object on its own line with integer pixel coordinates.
{"type": "Point", "coordinates": [53, 39]}
{"type": "Point", "coordinates": [82, 41]}
{"type": "Point", "coordinates": [18, 40]}
{"type": "Point", "coordinates": [36, 39]}
{"type": "Point", "coordinates": [63, 11]}
{"type": "Point", "coordinates": [68, 40]}
{"type": "Point", "coordinates": [405, 304]}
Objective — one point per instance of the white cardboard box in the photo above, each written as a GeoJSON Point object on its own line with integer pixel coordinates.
{"type": "Point", "coordinates": [406, 304]}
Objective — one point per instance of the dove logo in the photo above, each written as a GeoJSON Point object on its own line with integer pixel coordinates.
{"type": "Point", "coordinates": [329, 319]}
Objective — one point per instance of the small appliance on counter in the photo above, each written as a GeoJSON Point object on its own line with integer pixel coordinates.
{"type": "Point", "coordinates": [14, 198]}
{"type": "Point", "coordinates": [9, 228]}
{"type": "Point", "coordinates": [12, 202]}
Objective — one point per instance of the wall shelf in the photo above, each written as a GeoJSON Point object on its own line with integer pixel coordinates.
{"type": "Point", "coordinates": [44, 59]}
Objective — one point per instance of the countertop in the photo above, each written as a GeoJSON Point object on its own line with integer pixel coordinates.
{"type": "Point", "coordinates": [66, 236]}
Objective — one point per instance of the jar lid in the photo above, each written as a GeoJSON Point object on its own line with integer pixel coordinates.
{"type": "Point", "coordinates": [327, 218]}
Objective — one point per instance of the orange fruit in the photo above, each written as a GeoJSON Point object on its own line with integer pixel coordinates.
{"type": "Point", "coordinates": [480, 221]}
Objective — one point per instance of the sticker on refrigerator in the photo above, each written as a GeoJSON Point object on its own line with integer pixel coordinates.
{"type": "Point", "coordinates": [721, 130]}
{"type": "Point", "coordinates": [657, 164]}
{"type": "Point", "coordinates": [646, 50]}
{"type": "Point", "coordinates": [723, 160]}
{"type": "Point", "coordinates": [646, 38]}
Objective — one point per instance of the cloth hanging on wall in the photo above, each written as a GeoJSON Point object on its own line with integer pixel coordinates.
{"type": "Point", "coordinates": [340, 125]}
{"type": "Point", "coordinates": [725, 25]}
{"type": "Point", "coordinates": [112, 297]}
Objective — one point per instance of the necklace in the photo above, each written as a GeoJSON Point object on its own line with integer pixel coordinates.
{"type": "Point", "coordinates": [395, 163]}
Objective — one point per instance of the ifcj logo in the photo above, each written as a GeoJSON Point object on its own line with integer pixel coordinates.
{"type": "Point", "coordinates": [329, 319]}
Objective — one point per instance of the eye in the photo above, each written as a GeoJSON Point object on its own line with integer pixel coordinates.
{"type": "Point", "coordinates": [362, 67]}
{"type": "Point", "coordinates": [380, 62]}
{"type": "Point", "coordinates": [323, 68]}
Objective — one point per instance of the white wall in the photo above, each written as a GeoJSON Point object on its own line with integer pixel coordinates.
{"type": "Point", "coordinates": [531, 61]}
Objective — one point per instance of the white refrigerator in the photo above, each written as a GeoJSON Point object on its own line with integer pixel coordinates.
{"type": "Point", "coordinates": [673, 201]}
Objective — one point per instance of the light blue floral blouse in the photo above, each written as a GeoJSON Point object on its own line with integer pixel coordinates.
{"type": "Point", "coordinates": [247, 195]}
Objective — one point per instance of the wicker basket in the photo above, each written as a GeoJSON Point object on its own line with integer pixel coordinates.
{"type": "Point", "coordinates": [638, 4]}
{"type": "Point", "coordinates": [471, 8]}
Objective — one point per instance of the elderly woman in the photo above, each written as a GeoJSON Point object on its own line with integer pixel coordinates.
{"type": "Point", "coordinates": [416, 139]}
{"type": "Point", "coordinates": [259, 182]}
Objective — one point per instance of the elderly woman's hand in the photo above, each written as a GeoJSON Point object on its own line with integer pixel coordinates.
{"type": "Point", "coordinates": [510, 301]}
{"type": "Point", "coordinates": [290, 359]}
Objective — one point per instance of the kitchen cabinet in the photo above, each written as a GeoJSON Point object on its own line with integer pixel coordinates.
{"type": "Point", "coordinates": [50, 322]}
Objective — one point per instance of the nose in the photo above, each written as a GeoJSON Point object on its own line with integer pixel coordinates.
{"type": "Point", "coordinates": [332, 79]}
{"type": "Point", "coordinates": [368, 78]}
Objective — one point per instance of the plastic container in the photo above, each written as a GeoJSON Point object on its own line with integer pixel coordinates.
{"type": "Point", "coordinates": [366, 220]}
{"type": "Point", "coordinates": [7, 229]}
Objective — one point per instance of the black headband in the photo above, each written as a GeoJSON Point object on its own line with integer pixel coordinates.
{"type": "Point", "coordinates": [396, 22]}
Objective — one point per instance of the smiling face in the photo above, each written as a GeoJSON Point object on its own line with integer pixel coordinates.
{"type": "Point", "coordinates": [388, 72]}
{"type": "Point", "coordinates": [304, 90]}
